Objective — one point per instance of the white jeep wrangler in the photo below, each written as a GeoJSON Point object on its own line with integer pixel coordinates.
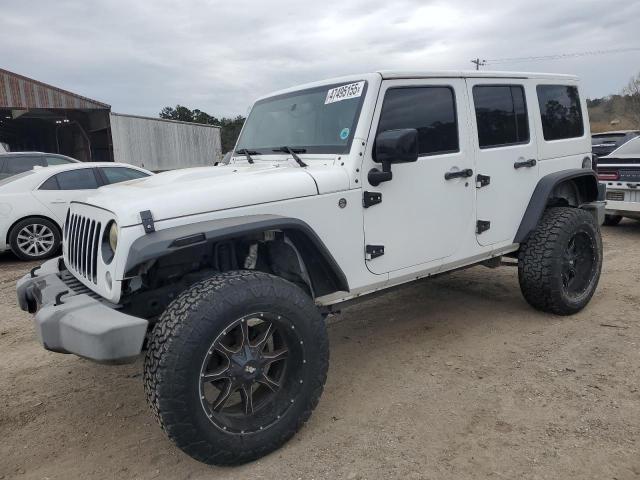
{"type": "Point", "coordinates": [336, 190]}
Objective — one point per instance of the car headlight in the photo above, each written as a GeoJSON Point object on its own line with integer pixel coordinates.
{"type": "Point", "coordinates": [113, 236]}
{"type": "Point", "coordinates": [109, 242]}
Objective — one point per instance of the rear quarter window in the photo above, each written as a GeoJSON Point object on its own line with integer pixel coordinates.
{"type": "Point", "coordinates": [560, 111]}
{"type": "Point", "coordinates": [81, 179]}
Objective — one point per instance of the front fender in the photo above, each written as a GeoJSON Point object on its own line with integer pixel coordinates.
{"type": "Point", "coordinates": [166, 241]}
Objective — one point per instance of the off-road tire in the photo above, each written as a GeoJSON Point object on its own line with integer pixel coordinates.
{"type": "Point", "coordinates": [541, 257]}
{"type": "Point", "coordinates": [27, 223]}
{"type": "Point", "coordinates": [612, 220]}
{"type": "Point", "coordinates": [184, 334]}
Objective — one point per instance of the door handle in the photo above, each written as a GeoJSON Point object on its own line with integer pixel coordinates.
{"type": "Point", "coordinates": [525, 163]}
{"type": "Point", "coordinates": [467, 172]}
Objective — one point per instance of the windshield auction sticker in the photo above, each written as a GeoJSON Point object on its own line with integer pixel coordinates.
{"type": "Point", "coordinates": [344, 92]}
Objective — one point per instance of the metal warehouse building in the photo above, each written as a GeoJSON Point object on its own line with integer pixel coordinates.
{"type": "Point", "coordinates": [35, 116]}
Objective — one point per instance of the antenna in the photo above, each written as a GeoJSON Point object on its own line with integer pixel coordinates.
{"type": "Point", "coordinates": [478, 63]}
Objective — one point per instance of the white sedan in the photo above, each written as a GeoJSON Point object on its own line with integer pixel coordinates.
{"type": "Point", "coordinates": [33, 204]}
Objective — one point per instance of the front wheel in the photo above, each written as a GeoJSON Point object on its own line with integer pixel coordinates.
{"type": "Point", "coordinates": [235, 366]}
{"type": "Point", "coordinates": [559, 264]}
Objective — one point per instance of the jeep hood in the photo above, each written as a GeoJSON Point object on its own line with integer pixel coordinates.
{"type": "Point", "coordinates": [192, 191]}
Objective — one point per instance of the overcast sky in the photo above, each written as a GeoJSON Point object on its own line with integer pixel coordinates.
{"type": "Point", "coordinates": [140, 55]}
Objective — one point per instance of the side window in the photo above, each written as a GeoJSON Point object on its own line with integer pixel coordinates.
{"type": "Point", "coordinates": [501, 115]}
{"type": "Point", "coordinates": [560, 111]}
{"type": "Point", "coordinates": [121, 174]}
{"type": "Point", "coordinates": [57, 161]}
{"type": "Point", "coordinates": [21, 164]}
{"type": "Point", "coordinates": [50, 184]}
{"type": "Point", "coordinates": [430, 110]}
{"type": "Point", "coordinates": [82, 179]}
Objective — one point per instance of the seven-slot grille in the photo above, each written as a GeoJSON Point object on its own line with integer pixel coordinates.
{"type": "Point", "coordinates": [82, 243]}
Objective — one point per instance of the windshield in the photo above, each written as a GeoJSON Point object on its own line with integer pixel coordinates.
{"type": "Point", "coordinates": [318, 120]}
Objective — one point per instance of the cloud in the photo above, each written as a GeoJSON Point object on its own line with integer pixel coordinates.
{"type": "Point", "coordinates": [219, 56]}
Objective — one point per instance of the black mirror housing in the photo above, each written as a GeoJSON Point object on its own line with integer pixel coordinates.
{"type": "Point", "coordinates": [396, 146]}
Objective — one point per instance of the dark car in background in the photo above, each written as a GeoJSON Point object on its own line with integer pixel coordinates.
{"type": "Point", "coordinates": [620, 172]}
{"type": "Point", "coordinates": [13, 163]}
{"type": "Point", "coordinates": [606, 142]}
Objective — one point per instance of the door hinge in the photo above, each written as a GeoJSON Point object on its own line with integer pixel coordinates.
{"type": "Point", "coordinates": [482, 180]}
{"type": "Point", "coordinates": [371, 198]}
{"type": "Point", "coordinates": [373, 251]}
{"type": "Point", "coordinates": [482, 226]}
{"type": "Point", "coordinates": [147, 221]}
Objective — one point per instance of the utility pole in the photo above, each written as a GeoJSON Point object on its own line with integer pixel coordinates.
{"type": "Point", "coordinates": [479, 63]}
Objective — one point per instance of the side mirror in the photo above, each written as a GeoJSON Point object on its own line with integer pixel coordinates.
{"type": "Point", "coordinates": [393, 146]}
{"type": "Point", "coordinates": [397, 146]}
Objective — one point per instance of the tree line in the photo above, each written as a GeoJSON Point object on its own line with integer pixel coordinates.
{"type": "Point", "coordinates": [620, 111]}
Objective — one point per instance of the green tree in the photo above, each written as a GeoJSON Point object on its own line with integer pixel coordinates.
{"type": "Point", "coordinates": [229, 127]}
{"type": "Point", "coordinates": [632, 97]}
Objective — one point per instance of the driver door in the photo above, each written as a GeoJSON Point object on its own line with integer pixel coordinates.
{"type": "Point", "coordinates": [422, 217]}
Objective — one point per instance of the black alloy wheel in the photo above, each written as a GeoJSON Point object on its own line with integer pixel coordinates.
{"type": "Point", "coordinates": [252, 364]}
{"type": "Point", "coordinates": [579, 262]}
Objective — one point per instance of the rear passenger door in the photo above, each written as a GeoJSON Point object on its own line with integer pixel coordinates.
{"type": "Point", "coordinates": [506, 155]}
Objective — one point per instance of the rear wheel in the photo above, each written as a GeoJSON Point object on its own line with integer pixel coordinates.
{"type": "Point", "coordinates": [34, 238]}
{"type": "Point", "coordinates": [612, 220]}
{"type": "Point", "coordinates": [235, 366]}
{"type": "Point", "coordinates": [559, 265]}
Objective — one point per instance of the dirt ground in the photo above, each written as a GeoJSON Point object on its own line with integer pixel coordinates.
{"type": "Point", "coordinates": [455, 378]}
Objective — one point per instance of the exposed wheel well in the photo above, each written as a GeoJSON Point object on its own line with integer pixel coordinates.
{"type": "Point", "coordinates": [288, 253]}
{"type": "Point", "coordinates": [572, 193]}
{"type": "Point", "coordinates": [44, 217]}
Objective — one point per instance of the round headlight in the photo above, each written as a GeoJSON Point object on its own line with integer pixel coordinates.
{"type": "Point", "coordinates": [109, 242]}
{"type": "Point", "coordinates": [113, 236]}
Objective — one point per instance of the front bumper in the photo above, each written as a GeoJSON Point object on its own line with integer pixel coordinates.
{"type": "Point", "coordinates": [78, 323]}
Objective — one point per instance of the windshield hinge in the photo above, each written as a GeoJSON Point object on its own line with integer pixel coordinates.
{"type": "Point", "coordinates": [371, 198]}
{"type": "Point", "coordinates": [147, 221]}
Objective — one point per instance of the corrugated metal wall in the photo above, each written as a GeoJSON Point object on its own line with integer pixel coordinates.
{"type": "Point", "coordinates": [19, 92]}
{"type": "Point", "coordinates": [157, 144]}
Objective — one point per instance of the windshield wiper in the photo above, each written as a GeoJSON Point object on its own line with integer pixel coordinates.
{"type": "Point", "coordinates": [247, 153]}
{"type": "Point", "coordinates": [292, 152]}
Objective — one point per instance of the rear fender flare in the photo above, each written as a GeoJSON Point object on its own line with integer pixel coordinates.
{"type": "Point", "coordinates": [583, 183]}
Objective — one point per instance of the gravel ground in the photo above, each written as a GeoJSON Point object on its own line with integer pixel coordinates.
{"type": "Point", "coordinates": [453, 378]}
